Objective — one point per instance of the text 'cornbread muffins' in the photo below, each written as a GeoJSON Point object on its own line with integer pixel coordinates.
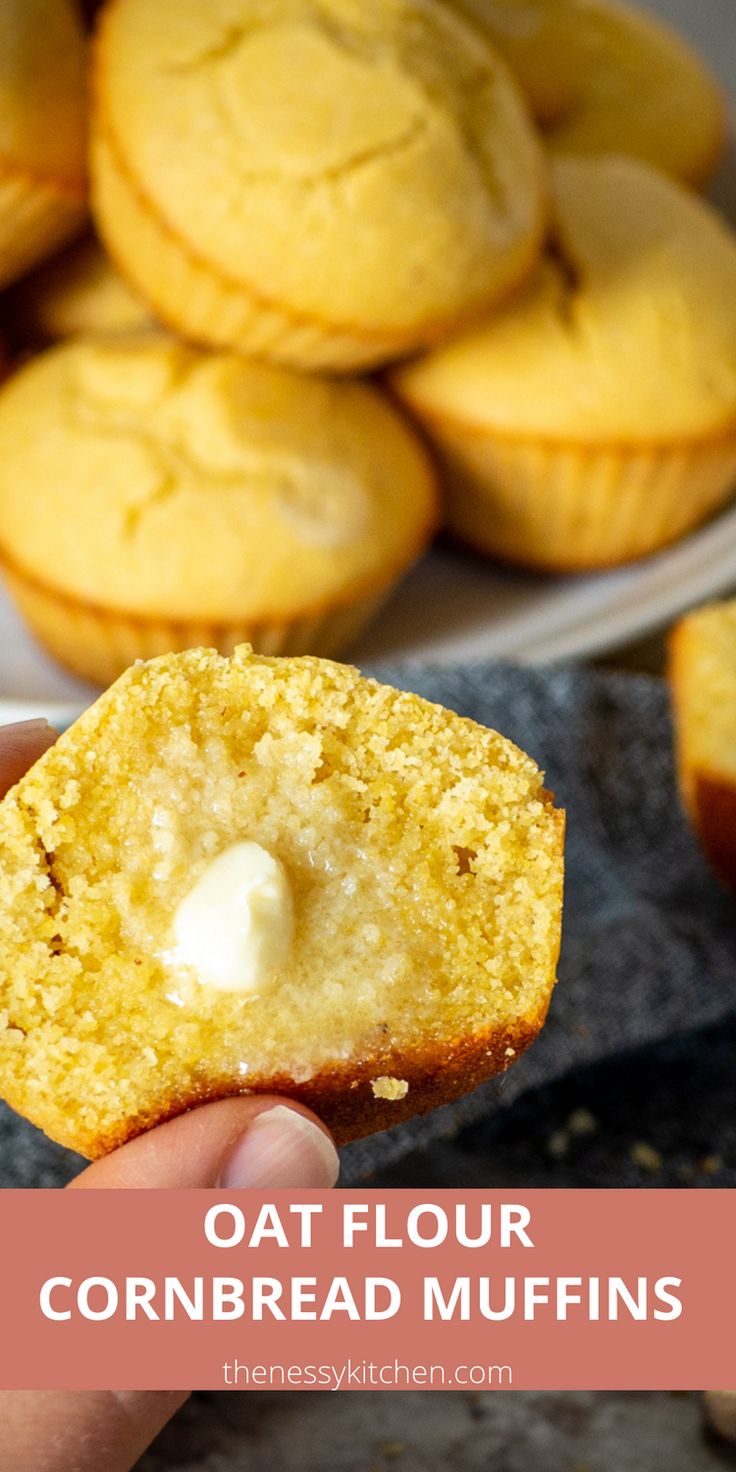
{"type": "Point", "coordinates": [78, 293]}
{"type": "Point", "coordinates": [154, 497]}
{"type": "Point", "coordinates": [42, 130]}
{"type": "Point", "coordinates": [703, 684]}
{"type": "Point", "coordinates": [365, 176]}
{"type": "Point", "coordinates": [604, 77]}
{"type": "Point", "coordinates": [269, 875]}
{"type": "Point", "coordinates": [593, 420]}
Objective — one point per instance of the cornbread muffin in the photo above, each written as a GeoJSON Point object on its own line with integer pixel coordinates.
{"type": "Point", "coordinates": [720, 1406]}
{"type": "Point", "coordinates": [541, 44]}
{"type": "Point", "coordinates": [181, 498]}
{"type": "Point", "coordinates": [366, 176]}
{"type": "Point", "coordinates": [703, 683]}
{"type": "Point", "coordinates": [603, 77]}
{"type": "Point", "coordinates": [77, 293]}
{"type": "Point", "coordinates": [594, 420]}
{"type": "Point", "coordinates": [42, 130]}
{"type": "Point", "coordinates": [269, 875]}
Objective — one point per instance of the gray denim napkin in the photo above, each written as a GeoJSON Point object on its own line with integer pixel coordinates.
{"type": "Point", "coordinates": [430, 1431]}
{"type": "Point", "coordinates": [649, 948]}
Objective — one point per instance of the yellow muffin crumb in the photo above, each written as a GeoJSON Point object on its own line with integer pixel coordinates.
{"type": "Point", "coordinates": [389, 1088]}
{"type": "Point", "coordinates": [424, 861]}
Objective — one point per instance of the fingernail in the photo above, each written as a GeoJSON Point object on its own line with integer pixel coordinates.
{"type": "Point", "coordinates": [19, 728]}
{"type": "Point", "coordinates": [282, 1148]}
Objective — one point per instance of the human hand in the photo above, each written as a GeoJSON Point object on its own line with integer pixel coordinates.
{"type": "Point", "coordinates": [259, 1141]}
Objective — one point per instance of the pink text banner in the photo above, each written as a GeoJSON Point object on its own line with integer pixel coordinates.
{"type": "Point", "coordinates": [351, 1290]}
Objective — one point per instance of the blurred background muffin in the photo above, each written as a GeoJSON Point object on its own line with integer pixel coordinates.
{"type": "Point", "coordinates": [703, 681]}
{"type": "Point", "coordinates": [366, 177]}
{"type": "Point", "coordinates": [78, 291]}
{"type": "Point", "coordinates": [155, 498]}
{"type": "Point", "coordinates": [604, 77]}
{"type": "Point", "coordinates": [593, 420]}
{"type": "Point", "coordinates": [43, 108]}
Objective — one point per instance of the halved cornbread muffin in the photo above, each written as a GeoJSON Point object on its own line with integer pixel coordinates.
{"type": "Point", "coordinates": [593, 419]}
{"type": "Point", "coordinates": [42, 130]}
{"type": "Point", "coordinates": [155, 497]}
{"type": "Point", "coordinates": [605, 77]}
{"type": "Point", "coordinates": [269, 875]}
{"type": "Point", "coordinates": [703, 683]}
{"type": "Point", "coordinates": [365, 176]}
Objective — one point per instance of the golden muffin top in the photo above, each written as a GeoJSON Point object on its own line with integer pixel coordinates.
{"type": "Point", "coordinates": [369, 162]}
{"type": "Point", "coordinates": [42, 91]}
{"type": "Point", "coordinates": [144, 476]}
{"type": "Point", "coordinates": [627, 333]}
{"type": "Point", "coordinates": [604, 77]}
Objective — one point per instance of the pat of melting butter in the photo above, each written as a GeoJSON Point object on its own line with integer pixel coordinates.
{"type": "Point", "coordinates": [234, 927]}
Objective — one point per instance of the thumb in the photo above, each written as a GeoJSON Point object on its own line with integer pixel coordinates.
{"type": "Point", "coordinates": [260, 1142]}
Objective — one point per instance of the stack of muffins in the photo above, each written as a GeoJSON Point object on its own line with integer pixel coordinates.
{"type": "Point", "coordinates": [488, 203]}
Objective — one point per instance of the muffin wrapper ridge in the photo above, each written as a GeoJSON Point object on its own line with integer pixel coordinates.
{"type": "Point", "coordinates": [566, 507]}
{"type": "Point", "coordinates": [99, 644]}
{"type": "Point", "coordinates": [190, 296]}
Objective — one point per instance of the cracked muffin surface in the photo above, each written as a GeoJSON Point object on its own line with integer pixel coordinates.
{"type": "Point", "coordinates": [144, 480]}
{"type": "Point", "coordinates": [424, 863]}
{"type": "Point", "coordinates": [365, 175]}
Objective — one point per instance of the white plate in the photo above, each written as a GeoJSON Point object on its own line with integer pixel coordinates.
{"type": "Point", "coordinates": [454, 608]}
